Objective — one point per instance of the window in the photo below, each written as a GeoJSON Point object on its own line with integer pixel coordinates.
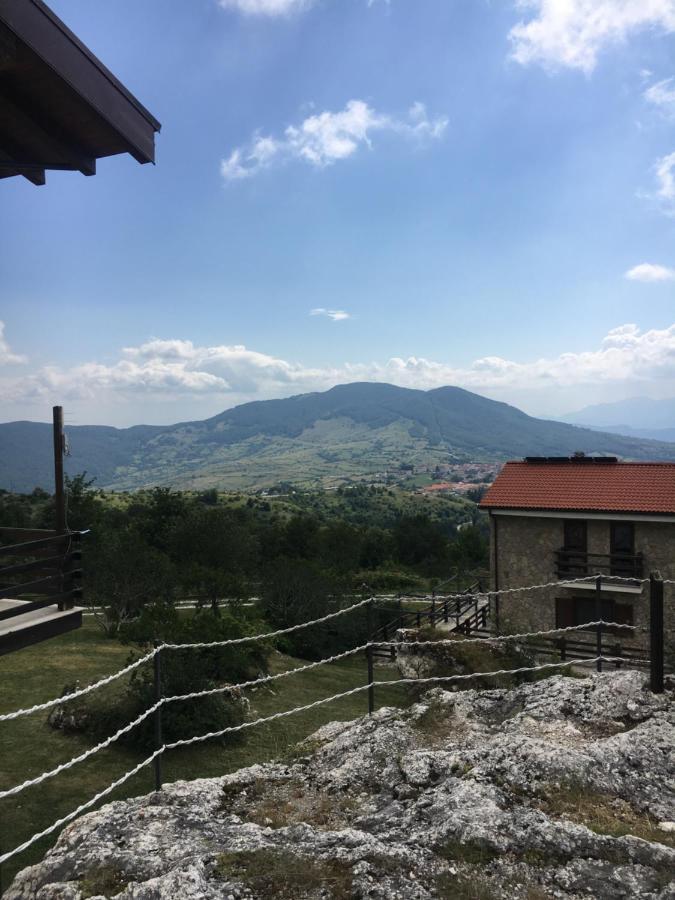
{"type": "Point", "coordinates": [622, 548]}
{"type": "Point", "coordinates": [573, 557]}
{"type": "Point", "coordinates": [575, 535]}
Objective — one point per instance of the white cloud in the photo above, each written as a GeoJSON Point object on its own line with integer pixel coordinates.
{"type": "Point", "coordinates": [337, 315]}
{"type": "Point", "coordinates": [6, 355]}
{"type": "Point", "coordinates": [650, 272]}
{"type": "Point", "coordinates": [324, 138]}
{"type": "Point", "coordinates": [572, 33]}
{"type": "Point", "coordinates": [662, 95]}
{"type": "Point", "coordinates": [665, 175]}
{"type": "Point", "coordinates": [267, 7]}
{"type": "Point", "coordinates": [178, 370]}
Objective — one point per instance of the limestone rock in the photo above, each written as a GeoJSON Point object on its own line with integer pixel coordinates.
{"type": "Point", "coordinates": [558, 788]}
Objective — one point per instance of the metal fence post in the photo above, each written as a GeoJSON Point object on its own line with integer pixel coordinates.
{"type": "Point", "coordinates": [598, 617]}
{"type": "Point", "coordinates": [656, 632]}
{"type": "Point", "coordinates": [157, 670]}
{"type": "Point", "coordinates": [369, 659]}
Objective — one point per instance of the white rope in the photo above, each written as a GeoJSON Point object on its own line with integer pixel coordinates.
{"type": "Point", "coordinates": [80, 809]}
{"type": "Point", "coordinates": [5, 717]}
{"type": "Point", "coordinates": [254, 637]}
{"type": "Point", "coordinates": [78, 759]}
{"type": "Point", "coordinates": [234, 728]}
{"type": "Point", "coordinates": [504, 637]}
{"type": "Point", "coordinates": [270, 634]}
{"type": "Point", "coordinates": [363, 687]}
{"type": "Point", "coordinates": [606, 580]}
{"type": "Point", "coordinates": [194, 695]}
{"type": "Point", "coordinates": [267, 678]}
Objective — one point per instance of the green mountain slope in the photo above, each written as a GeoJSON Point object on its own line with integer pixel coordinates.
{"type": "Point", "coordinates": [319, 438]}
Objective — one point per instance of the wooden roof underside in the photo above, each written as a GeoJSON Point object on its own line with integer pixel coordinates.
{"type": "Point", "coordinates": [60, 108]}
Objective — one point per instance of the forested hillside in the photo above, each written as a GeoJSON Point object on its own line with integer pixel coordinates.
{"type": "Point", "coordinates": [313, 439]}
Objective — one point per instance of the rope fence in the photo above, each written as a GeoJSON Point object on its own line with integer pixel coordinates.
{"type": "Point", "coordinates": [370, 684]}
{"type": "Point", "coordinates": [266, 719]}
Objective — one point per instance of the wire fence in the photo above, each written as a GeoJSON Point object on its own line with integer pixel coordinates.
{"type": "Point", "coordinates": [155, 710]}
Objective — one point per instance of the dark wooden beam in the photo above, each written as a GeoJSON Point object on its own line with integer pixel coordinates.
{"type": "Point", "coordinates": [32, 173]}
{"type": "Point", "coordinates": [59, 448]}
{"type": "Point", "coordinates": [35, 142]}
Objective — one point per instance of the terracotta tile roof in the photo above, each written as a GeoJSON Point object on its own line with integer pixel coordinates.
{"type": "Point", "coordinates": [584, 485]}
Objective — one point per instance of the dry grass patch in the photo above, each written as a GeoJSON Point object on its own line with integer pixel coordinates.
{"type": "Point", "coordinates": [276, 804]}
{"type": "Point", "coordinates": [602, 813]}
{"type": "Point", "coordinates": [105, 880]}
{"type": "Point", "coordinates": [284, 876]}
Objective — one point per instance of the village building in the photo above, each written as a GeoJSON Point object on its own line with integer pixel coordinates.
{"type": "Point", "coordinates": [556, 519]}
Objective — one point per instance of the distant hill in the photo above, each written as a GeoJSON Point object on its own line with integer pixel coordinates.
{"type": "Point", "coordinates": [318, 438]}
{"type": "Point", "coordinates": [640, 417]}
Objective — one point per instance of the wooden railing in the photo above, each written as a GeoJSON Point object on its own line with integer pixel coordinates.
{"type": "Point", "coordinates": [40, 568]}
{"type": "Point", "coordinates": [577, 563]}
{"type": "Point", "coordinates": [451, 610]}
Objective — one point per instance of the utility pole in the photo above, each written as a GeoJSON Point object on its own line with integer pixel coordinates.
{"type": "Point", "coordinates": [59, 451]}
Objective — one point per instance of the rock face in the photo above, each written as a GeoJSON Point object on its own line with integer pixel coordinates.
{"type": "Point", "coordinates": [559, 788]}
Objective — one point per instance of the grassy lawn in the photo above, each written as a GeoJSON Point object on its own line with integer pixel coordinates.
{"type": "Point", "coordinates": [28, 746]}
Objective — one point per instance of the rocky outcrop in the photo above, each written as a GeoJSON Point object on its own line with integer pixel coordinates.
{"type": "Point", "coordinates": [559, 788]}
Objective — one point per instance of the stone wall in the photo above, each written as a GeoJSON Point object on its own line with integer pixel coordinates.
{"type": "Point", "coordinates": [526, 545]}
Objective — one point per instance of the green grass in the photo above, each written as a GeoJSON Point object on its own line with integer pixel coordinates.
{"type": "Point", "coordinates": [28, 746]}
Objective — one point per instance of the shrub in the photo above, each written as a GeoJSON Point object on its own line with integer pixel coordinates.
{"type": "Point", "coordinates": [182, 672]}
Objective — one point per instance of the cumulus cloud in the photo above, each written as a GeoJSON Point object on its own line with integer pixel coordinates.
{"type": "Point", "coordinates": [174, 369]}
{"type": "Point", "coordinates": [572, 33]}
{"type": "Point", "coordinates": [324, 138]}
{"type": "Point", "coordinates": [6, 355]}
{"type": "Point", "coordinates": [650, 272]}
{"type": "Point", "coordinates": [266, 7]}
{"type": "Point", "coordinates": [337, 315]}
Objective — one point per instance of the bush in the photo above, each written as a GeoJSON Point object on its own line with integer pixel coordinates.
{"type": "Point", "coordinates": [182, 672]}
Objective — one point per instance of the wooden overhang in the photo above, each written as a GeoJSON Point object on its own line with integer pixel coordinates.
{"type": "Point", "coordinates": [60, 107]}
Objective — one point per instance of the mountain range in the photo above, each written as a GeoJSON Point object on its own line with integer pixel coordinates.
{"type": "Point", "coordinates": [311, 439]}
{"type": "Point", "coordinates": [641, 417]}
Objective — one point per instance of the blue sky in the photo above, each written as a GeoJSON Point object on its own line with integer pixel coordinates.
{"type": "Point", "coordinates": [484, 192]}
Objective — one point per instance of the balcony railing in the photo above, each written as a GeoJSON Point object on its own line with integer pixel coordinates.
{"type": "Point", "coordinates": [577, 563]}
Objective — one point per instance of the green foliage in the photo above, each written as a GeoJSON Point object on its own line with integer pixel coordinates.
{"type": "Point", "coordinates": [295, 592]}
{"type": "Point", "coordinates": [182, 672]}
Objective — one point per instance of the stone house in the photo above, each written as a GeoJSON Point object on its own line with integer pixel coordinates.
{"type": "Point", "coordinates": [558, 518]}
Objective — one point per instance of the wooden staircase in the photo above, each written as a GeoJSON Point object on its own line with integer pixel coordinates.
{"type": "Point", "coordinates": [465, 614]}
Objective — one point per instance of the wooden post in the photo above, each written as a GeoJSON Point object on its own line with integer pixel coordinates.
{"type": "Point", "coordinates": [157, 668]}
{"type": "Point", "coordinates": [369, 659]}
{"type": "Point", "coordinates": [59, 447]}
{"type": "Point", "coordinates": [656, 633]}
{"type": "Point", "coordinates": [598, 616]}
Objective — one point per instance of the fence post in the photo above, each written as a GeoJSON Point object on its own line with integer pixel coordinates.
{"type": "Point", "coordinates": [563, 649]}
{"type": "Point", "coordinates": [496, 598]}
{"type": "Point", "coordinates": [598, 617]}
{"type": "Point", "coordinates": [369, 658]}
{"type": "Point", "coordinates": [445, 610]}
{"type": "Point", "coordinates": [157, 669]}
{"type": "Point", "coordinates": [656, 632]}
